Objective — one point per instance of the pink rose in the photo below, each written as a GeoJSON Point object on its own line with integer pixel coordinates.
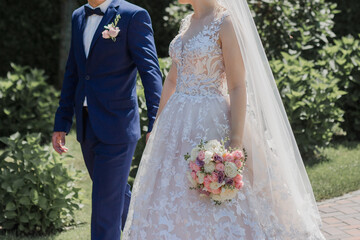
{"type": "Point", "coordinates": [237, 178]}
{"type": "Point", "coordinates": [220, 167]}
{"type": "Point", "coordinates": [238, 154]}
{"type": "Point", "coordinates": [113, 32]}
{"type": "Point", "coordinates": [239, 185]}
{"type": "Point", "coordinates": [207, 180]}
{"type": "Point", "coordinates": [105, 34]}
{"type": "Point", "coordinates": [216, 191]}
{"type": "Point", "coordinates": [201, 155]}
{"type": "Point", "coordinates": [193, 175]}
{"type": "Point", "coordinates": [238, 163]}
{"type": "Point", "coordinates": [194, 167]}
{"type": "Point", "coordinates": [228, 157]}
{"type": "Point", "coordinates": [214, 177]}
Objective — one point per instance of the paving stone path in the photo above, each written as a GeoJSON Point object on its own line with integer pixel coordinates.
{"type": "Point", "coordinates": [341, 217]}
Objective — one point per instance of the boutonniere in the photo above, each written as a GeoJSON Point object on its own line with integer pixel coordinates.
{"type": "Point", "coordinates": [111, 30]}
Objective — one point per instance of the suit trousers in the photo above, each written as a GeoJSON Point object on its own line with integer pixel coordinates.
{"type": "Point", "coordinates": [109, 167]}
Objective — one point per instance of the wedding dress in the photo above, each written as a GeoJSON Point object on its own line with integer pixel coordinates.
{"type": "Point", "coordinates": [162, 205]}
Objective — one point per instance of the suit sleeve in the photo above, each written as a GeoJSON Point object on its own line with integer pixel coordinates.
{"type": "Point", "coordinates": [143, 52]}
{"type": "Point", "coordinates": [65, 111]}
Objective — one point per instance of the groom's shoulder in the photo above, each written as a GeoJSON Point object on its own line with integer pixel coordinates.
{"type": "Point", "coordinates": [130, 7]}
{"type": "Point", "coordinates": [77, 12]}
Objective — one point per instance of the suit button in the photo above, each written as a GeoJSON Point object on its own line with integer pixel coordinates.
{"type": "Point", "coordinates": [87, 77]}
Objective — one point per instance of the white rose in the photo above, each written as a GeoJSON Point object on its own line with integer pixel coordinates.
{"type": "Point", "coordinates": [215, 185]}
{"type": "Point", "coordinates": [221, 151]}
{"type": "Point", "coordinates": [212, 145]}
{"type": "Point", "coordinates": [193, 183]}
{"type": "Point", "coordinates": [201, 177]}
{"type": "Point", "coordinates": [194, 153]}
{"type": "Point", "coordinates": [216, 197]}
{"type": "Point", "coordinates": [228, 194]}
{"type": "Point", "coordinates": [208, 156]}
{"type": "Point", "coordinates": [209, 167]}
{"type": "Point", "coordinates": [230, 169]}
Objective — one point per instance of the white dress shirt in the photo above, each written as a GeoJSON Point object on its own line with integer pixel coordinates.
{"type": "Point", "coordinates": [92, 23]}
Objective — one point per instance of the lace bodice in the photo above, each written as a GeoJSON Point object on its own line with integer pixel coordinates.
{"type": "Point", "coordinates": [199, 60]}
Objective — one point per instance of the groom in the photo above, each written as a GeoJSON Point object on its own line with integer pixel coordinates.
{"type": "Point", "coordinates": [100, 88]}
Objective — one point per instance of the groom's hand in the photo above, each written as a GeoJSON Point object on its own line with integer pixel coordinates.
{"type": "Point", "coordinates": [58, 142]}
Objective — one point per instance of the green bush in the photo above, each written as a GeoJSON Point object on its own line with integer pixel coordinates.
{"type": "Point", "coordinates": [343, 59]}
{"type": "Point", "coordinates": [293, 26]}
{"type": "Point", "coordinates": [309, 96]}
{"type": "Point", "coordinates": [37, 192]}
{"type": "Point", "coordinates": [27, 102]}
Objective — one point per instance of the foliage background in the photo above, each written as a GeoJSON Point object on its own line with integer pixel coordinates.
{"type": "Point", "coordinates": [39, 36]}
{"type": "Point", "coordinates": [30, 34]}
{"type": "Point", "coordinates": [312, 45]}
{"type": "Point", "coordinates": [34, 36]}
{"type": "Point", "coordinates": [27, 103]}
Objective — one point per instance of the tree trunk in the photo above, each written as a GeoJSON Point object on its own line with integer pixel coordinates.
{"type": "Point", "coordinates": [67, 7]}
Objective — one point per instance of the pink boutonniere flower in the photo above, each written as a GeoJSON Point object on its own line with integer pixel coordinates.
{"type": "Point", "coordinates": [111, 30]}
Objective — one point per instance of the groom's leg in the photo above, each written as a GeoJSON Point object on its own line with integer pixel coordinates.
{"type": "Point", "coordinates": [110, 173]}
{"type": "Point", "coordinates": [126, 206]}
{"type": "Point", "coordinates": [88, 144]}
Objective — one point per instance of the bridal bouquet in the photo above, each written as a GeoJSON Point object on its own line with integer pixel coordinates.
{"type": "Point", "coordinates": [215, 171]}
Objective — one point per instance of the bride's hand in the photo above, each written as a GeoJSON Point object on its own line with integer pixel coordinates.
{"type": "Point", "coordinates": [236, 145]}
{"type": "Point", "coordinates": [147, 137]}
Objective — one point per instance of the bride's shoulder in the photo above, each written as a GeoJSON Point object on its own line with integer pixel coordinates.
{"type": "Point", "coordinates": [226, 27]}
{"type": "Point", "coordinates": [185, 22]}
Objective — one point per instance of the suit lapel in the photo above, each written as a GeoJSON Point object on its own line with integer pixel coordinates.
{"type": "Point", "coordinates": [108, 17]}
{"type": "Point", "coordinates": [82, 22]}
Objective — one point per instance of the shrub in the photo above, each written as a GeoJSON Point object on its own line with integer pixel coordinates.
{"type": "Point", "coordinates": [37, 193]}
{"type": "Point", "coordinates": [27, 102]}
{"type": "Point", "coordinates": [301, 26]}
{"type": "Point", "coordinates": [309, 96]}
{"type": "Point", "coordinates": [343, 59]}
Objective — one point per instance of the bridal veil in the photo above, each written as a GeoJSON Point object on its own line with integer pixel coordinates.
{"type": "Point", "coordinates": [277, 170]}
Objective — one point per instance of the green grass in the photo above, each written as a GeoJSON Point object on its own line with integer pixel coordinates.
{"type": "Point", "coordinates": [337, 174]}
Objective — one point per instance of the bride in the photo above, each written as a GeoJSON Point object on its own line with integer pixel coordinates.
{"type": "Point", "coordinates": [220, 85]}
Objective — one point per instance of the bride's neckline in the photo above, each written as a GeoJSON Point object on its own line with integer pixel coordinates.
{"type": "Point", "coordinates": [204, 27]}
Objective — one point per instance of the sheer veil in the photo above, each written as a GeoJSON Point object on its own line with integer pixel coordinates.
{"type": "Point", "coordinates": [276, 168]}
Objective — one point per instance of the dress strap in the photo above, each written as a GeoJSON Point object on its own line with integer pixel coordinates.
{"type": "Point", "coordinates": [224, 14]}
{"type": "Point", "coordinates": [185, 22]}
{"type": "Point", "coordinates": [216, 24]}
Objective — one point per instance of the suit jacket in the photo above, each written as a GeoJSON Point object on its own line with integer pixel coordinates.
{"type": "Point", "coordinates": [108, 76]}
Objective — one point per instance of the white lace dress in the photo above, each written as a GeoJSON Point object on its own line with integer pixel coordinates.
{"type": "Point", "coordinates": [162, 205]}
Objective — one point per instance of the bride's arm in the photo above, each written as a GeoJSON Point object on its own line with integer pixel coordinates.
{"type": "Point", "coordinates": [235, 74]}
{"type": "Point", "coordinates": [168, 88]}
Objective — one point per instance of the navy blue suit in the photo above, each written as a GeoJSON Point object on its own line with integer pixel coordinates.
{"type": "Point", "coordinates": [109, 131]}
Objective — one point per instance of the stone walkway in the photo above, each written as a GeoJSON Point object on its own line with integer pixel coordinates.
{"type": "Point", "coordinates": [341, 217]}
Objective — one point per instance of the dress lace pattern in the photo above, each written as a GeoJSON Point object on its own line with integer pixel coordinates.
{"type": "Point", "coordinates": [162, 205]}
{"type": "Point", "coordinates": [199, 60]}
